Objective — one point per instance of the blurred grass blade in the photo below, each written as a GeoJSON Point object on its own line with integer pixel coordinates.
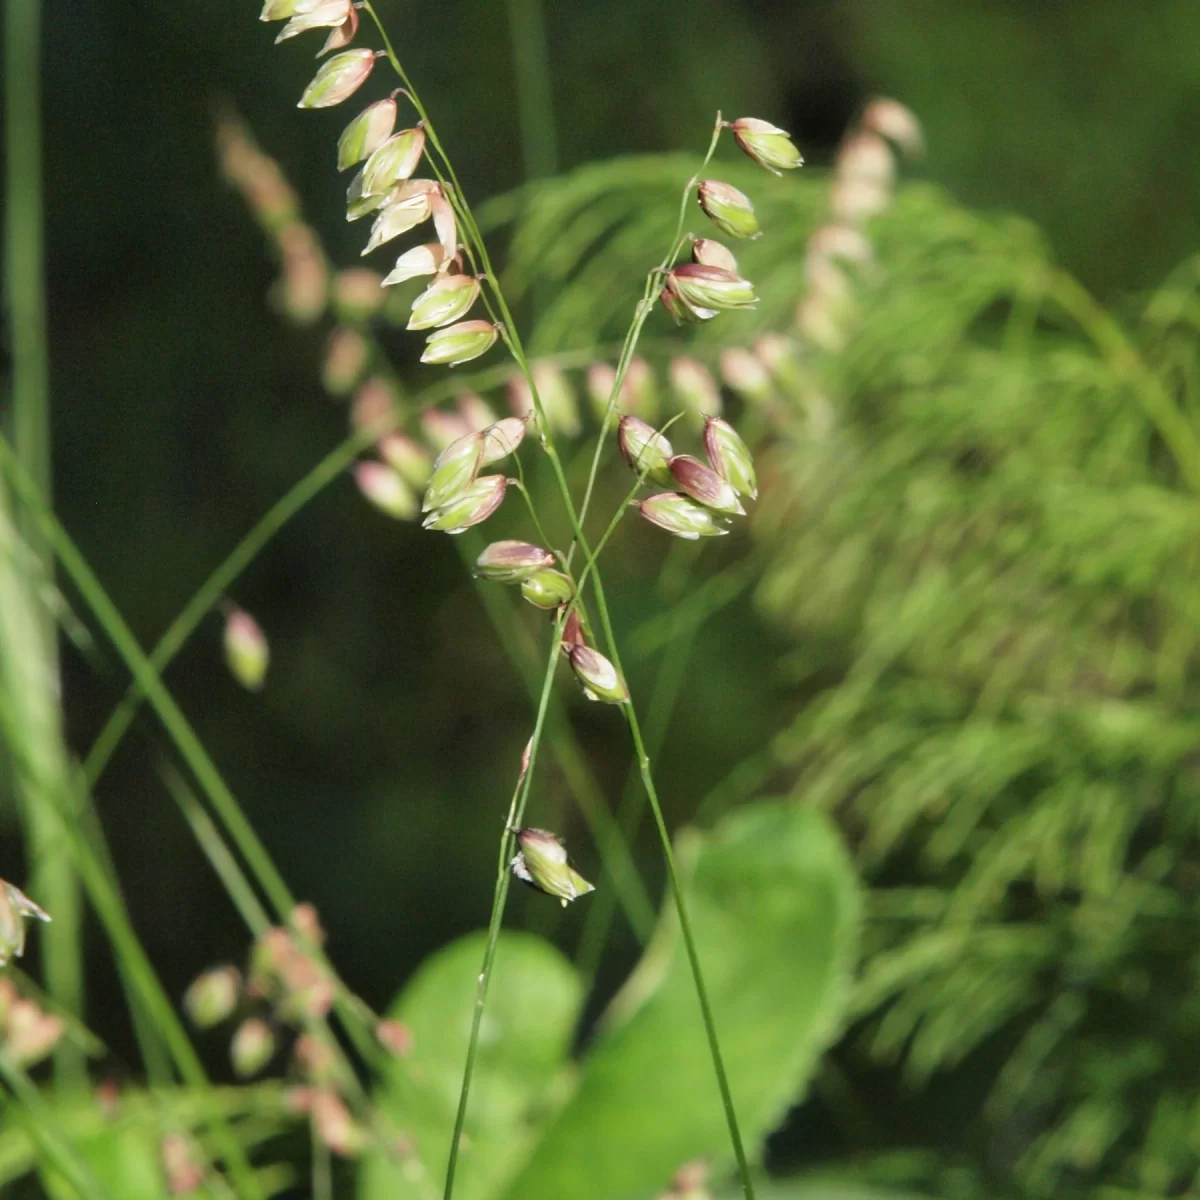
{"type": "Point", "coordinates": [32, 658]}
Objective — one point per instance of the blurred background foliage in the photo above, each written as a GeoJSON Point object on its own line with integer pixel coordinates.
{"type": "Point", "coordinates": [973, 640]}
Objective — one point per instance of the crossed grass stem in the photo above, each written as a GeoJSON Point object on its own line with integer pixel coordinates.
{"type": "Point", "coordinates": [478, 253]}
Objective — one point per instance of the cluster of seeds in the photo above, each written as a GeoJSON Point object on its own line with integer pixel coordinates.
{"type": "Point", "coordinates": [386, 187]}
{"type": "Point", "coordinates": [545, 587]}
{"type": "Point", "coordinates": [708, 492]}
{"type": "Point", "coordinates": [286, 990]}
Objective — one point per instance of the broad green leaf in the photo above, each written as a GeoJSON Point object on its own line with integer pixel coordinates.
{"type": "Point", "coordinates": [774, 906]}
{"type": "Point", "coordinates": [532, 1007]}
{"type": "Point", "coordinates": [816, 1187]}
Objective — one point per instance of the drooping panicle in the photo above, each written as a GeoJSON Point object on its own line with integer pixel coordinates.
{"type": "Point", "coordinates": [446, 300]}
{"type": "Point", "coordinates": [420, 260]}
{"type": "Point", "coordinates": [386, 489]}
{"type": "Point", "coordinates": [454, 470]}
{"type": "Point", "coordinates": [15, 907]}
{"type": "Point", "coordinates": [406, 208]}
{"type": "Point", "coordinates": [253, 1046]}
{"type": "Point", "coordinates": [710, 253]}
{"type": "Point", "coordinates": [213, 996]}
{"type": "Point", "coordinates": [710, 290]}
{"type": "Point", "coordinates": [502, 439]}
{"type": "Point", "coordinates": [324, 15]}
{"type": "Point", "coordinates": [408, 457]}
{"type": "Point", "coordinates": [393, 161]}
{"type": "Point", "coordinates": [694, 386]}
{"type": "Point", "coordinates": [548, 589]}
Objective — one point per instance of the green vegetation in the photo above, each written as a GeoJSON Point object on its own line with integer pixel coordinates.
{"type": "Point", "coordinates": [918, 739]}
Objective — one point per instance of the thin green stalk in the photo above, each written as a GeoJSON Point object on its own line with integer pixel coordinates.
{"type": "Point", "coordinates": [52, 875]}
{"type": "Point", "coordinates": [246, 901]}
{"type": "Point", "coordinates": [524, 490]}
{"type": "Point", "coordinates": [667, 684]}
{"type": "Point", "coordinates": [22, 751]}
{"type": "Point", "coordinates": [240, 891]}
{"type": "Point", "coordinates": [673, 630]}
{"type": "Point", "coordinates": [628, 887]}
{"type": "Point", "coordinates": [535, 99]}
{"type": "Point", "coordinates": [287, 507]}
{"type": "Point", "coordinates": [25, 245]}
{"type": "Point", "coordinates": [685, 924]}
{"type": "Point", "coordinates": [516, 811]}
{"type": "Point", "coordinates": [143, 671]}
{"type": "Point", "coordinates": [219, 582]}
{"type": "Point", "coordinates": [641, 314]}
{"type": "Point", "coordinates": [155, 1059]}
{"type": "Point", "coordinates": [513, 340]}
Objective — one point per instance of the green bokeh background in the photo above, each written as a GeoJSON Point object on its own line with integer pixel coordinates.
{"type": "Point", "coordinates": [377, 763]}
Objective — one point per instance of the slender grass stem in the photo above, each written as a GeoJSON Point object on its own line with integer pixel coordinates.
{"type": "Point", "coordinates": [52, 875]}
{"type": "Point", "coordinates": [628, 888]}
{"type": "Point", "coordinates": [179, 728]}
{"type": "Point", "coordinates": [158, 1006]}
{"type": "Point", "coordinates": [24, 237]}
{"type": "Point", "coordinates": [303, 492]}
{"type": "Point", "coordinates": [513, 339]}
{"type": "Point", "coordinates": [512, 822]}
{"type": "Point", "coordinates": [208, 836]}
{"type": "Point", "coordinates": [206, 597]}
{"type": "Point", "coordinates": [533, 514]}
{"type": "Point", "coordinates": [535, 98]}
{"type": "Point", "coordinates": [685, 925]}
{"type": "Point", "coordinates": [642, 313]}
{"type": "Point", "coordinates": [663, 697]}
